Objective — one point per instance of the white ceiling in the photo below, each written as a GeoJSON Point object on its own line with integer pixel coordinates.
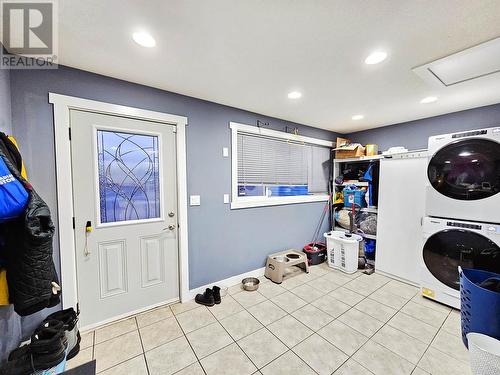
{"type": "Point", "coordinates": [250, 53]}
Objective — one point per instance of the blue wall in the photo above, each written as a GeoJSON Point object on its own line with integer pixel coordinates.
{"type": "Point", "coordinates": [5, 108]}
{"type": "Point", "coordinates": [222, 242]}
{"type": "Point", "coordinates": [414, 134]}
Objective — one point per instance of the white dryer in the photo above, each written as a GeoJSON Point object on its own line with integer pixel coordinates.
{"type": "Point", "coordinates": [463, 176]}
{"type": "Point", "coordinates": [450, 243]}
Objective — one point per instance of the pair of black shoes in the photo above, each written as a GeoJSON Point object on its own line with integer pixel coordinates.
{"type": "Point", "coordinates": [210, 297]}
{"type": "Point", "coordinates": [55, 339]}
{"type": "Point", "coordinates": [46, 350]}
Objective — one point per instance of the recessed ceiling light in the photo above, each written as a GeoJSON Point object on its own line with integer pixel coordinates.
{"type": "Point", "coordinates": [294, 95]}
{"type": "Point", "coordinates": [144, 39]}
{"type": "Point", "coordinates": [358, 117]}
{"type": "Point", "coordinates": [428, 99]}
{"type": "Point", "coordinates": [376, 57]}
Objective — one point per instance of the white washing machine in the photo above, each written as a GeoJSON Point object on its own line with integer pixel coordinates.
{"type": "Point", "coordinates": [450, 243]}
{"type": "Point", "coordinates": [463, 176]}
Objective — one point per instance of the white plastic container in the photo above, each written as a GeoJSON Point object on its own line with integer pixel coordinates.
{"type": "Point", "coordinates": [484, 354]}
{"type": "Point", "coordinates": [342, 250]}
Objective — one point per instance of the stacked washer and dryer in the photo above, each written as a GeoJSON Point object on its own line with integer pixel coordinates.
{"type": "Point", "coordinates": [462, 226]}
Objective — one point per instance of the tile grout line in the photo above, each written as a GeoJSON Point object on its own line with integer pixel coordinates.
{"type": "Point", "coordinates": [369, 337]}
{"type": "Point", "coordinates": [235, 341]}
{"type": "Point", "coordinates": [192, 349]}
{"type": "Point", "coordinates": [128, 359]}
{"type": "Point", "coordinates": [433, 338]}
{"type": "Point", "coordinates": [142, 345]}
{"type": "Point", "coordinates": [400, 311]}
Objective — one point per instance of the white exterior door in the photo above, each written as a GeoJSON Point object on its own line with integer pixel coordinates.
{"type": "Point", "coordinates": [124, 187]}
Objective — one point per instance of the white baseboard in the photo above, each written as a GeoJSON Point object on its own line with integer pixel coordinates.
{"type": "Point", "coordinates": [226, 283]}
{"type": "Point", "coordinates": [390, 275]}
{"type": "Point", "coordinates": [126, 315]}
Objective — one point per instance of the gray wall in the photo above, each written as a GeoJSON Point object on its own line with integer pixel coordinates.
{"type": "Point", "coordinates": [414, 134]}
{"type": "Point", "coordinates": [5, 109]}
{"type": "Point", "coordinates": [222, 242]}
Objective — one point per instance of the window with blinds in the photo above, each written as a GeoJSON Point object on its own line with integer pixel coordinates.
{"type": "Point", "coordinates": [272, 167]}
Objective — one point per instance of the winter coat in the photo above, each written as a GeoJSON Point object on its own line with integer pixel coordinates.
{"type": "Point", "coordinates": [31, 273]}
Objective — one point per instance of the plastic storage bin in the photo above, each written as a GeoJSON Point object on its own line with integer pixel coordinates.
{"type": "Point", "coordinates": [484, 354]}
{"type": "Point", "coordinates": [342, 250]}
{"type": "Point", "coordinates": [354, 196]}
{"type": "Point", "coordinates": [285, 190]}
{"type": "Point", "coordinates": [479, 307]}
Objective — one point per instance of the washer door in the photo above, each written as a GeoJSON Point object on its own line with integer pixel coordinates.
{"type": "Point", "coordinates": [467, 169]}
{"type": "Point", "coordinates": [446, 250]}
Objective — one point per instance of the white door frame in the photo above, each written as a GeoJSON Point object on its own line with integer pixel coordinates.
{"type": "Point", "coordinates": [62, 106]}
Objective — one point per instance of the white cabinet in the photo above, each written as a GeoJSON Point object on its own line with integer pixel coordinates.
{"type": "Point", "coordinates": [401, 206]}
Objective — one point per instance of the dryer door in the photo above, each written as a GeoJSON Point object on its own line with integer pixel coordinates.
{"type": "Point", "coordinates": [466, 170]}
{"type": "Point", "coordinates": [444, 251]}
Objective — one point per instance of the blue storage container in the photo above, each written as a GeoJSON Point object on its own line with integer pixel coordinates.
{"type": "Point", "coordinates": [369, 249]}
{"type": "Point", "coordinates": [479, 307]}
{"type": "Point", "coordinates": [354, 196]}
{"type": "Point", "coordinates": [288, 190]}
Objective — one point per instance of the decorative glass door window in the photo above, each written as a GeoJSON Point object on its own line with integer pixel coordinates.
{"type": "Point", "coordinates": [129, 181]}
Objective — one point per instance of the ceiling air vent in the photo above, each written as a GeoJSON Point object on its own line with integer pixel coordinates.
{"type": "Point", "coordinates": [475, 62]}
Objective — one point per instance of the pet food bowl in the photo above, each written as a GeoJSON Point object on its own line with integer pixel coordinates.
{"type": "Point", "coordinates": [281, 258]}
{"type": "Point", "coordinates": [250, 283]}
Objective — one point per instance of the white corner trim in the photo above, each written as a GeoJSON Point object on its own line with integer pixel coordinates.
{"type": "Point", "coordinates": [226, 283]}
{"type": "Point", "coordinates": [237, 127]}
{"type": "Point", "coordinates": [62, 105]}
{"type": "Point", "coordinates": [277, 201]}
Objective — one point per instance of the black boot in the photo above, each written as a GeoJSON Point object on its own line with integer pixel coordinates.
{"type": "Point", "coordinates": [47, 349]}
{"type": "Point", "coordinates": [206, 298]}
{"type": "Point", "coordinates": [69, 319]}
{"type": "Point", "coordinates": [216, 293]}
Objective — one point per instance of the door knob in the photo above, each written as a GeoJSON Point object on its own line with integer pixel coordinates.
{"type": "Point", "coordinates": [171, 214]}
{"type": "Point", "coordinates": [171, 227]}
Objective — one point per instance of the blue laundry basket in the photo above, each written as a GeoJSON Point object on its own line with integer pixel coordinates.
{"type": "Point", "coordinates": [480, 307]}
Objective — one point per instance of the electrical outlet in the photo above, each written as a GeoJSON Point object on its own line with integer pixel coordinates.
{"type": "Point", "coordinates": [225, 152]}
{"type": "Point", "coordinates": [226, 198]}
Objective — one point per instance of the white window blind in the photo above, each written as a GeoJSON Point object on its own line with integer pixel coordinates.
{"type": "Point", "coordinates": [264, 160]}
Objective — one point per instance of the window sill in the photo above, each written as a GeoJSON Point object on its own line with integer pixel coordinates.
{"type": "Point", "coordinates": [277, 201]}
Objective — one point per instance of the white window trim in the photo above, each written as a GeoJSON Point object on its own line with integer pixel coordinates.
{"type": "Point", "coordinates": [62, 105]}
{"type": "Point", "coordinates": [247, 202]}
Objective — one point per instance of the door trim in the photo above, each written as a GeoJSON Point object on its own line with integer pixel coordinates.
{"type": "Point", "coordinates": [62, 104]}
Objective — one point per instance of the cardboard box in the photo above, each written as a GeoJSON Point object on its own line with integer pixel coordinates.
{"type": "Point", "coordinates": [344, 149]}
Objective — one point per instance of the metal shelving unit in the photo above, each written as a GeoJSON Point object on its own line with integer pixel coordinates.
{"type": "Point", "coordinates": [336, 170]}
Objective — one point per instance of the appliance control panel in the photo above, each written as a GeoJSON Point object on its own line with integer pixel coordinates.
{"type": "Point", "coordinates": [463, 225]}
{"type": "Point", "coordinates": [470, 134]}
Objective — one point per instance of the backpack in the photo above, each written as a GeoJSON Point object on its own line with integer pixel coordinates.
{"type": "Point", "coordinates": [13, 195]}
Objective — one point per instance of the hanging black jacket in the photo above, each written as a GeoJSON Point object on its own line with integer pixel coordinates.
{"type": "Point", "coordinates": [28, 252]}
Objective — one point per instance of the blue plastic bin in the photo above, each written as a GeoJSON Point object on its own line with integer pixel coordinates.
{"type": "Point", "coordinates": [356, 196]}
{"type": "Point", "coordinates": [288, 190]}
{"type": "Point", "coordinates": [480, 307]}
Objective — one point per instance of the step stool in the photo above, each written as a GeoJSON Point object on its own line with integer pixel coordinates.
{"type": "Point", "coordinates": [277, 263]}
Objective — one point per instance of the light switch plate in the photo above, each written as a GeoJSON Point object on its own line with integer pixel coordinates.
{"type": "Point", "coordinates": [194, 200]}
{"type": "Point", "coordinates": [225, 152]}
{"type": "Point", "coordinates": [226, 198]}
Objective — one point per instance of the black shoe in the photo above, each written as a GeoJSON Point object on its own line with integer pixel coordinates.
{"type": "Point", "coordinates": [216, 293]}
{"type": "Point", "coordinates": [47, 349]}
{"type": "Point", "coordinates": [69, 319]}
{"type": "Point", "coordinates": [206, 298]}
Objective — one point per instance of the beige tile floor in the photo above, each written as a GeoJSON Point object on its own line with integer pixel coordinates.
{"type": "Point", "coordinates": [325, 322]}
